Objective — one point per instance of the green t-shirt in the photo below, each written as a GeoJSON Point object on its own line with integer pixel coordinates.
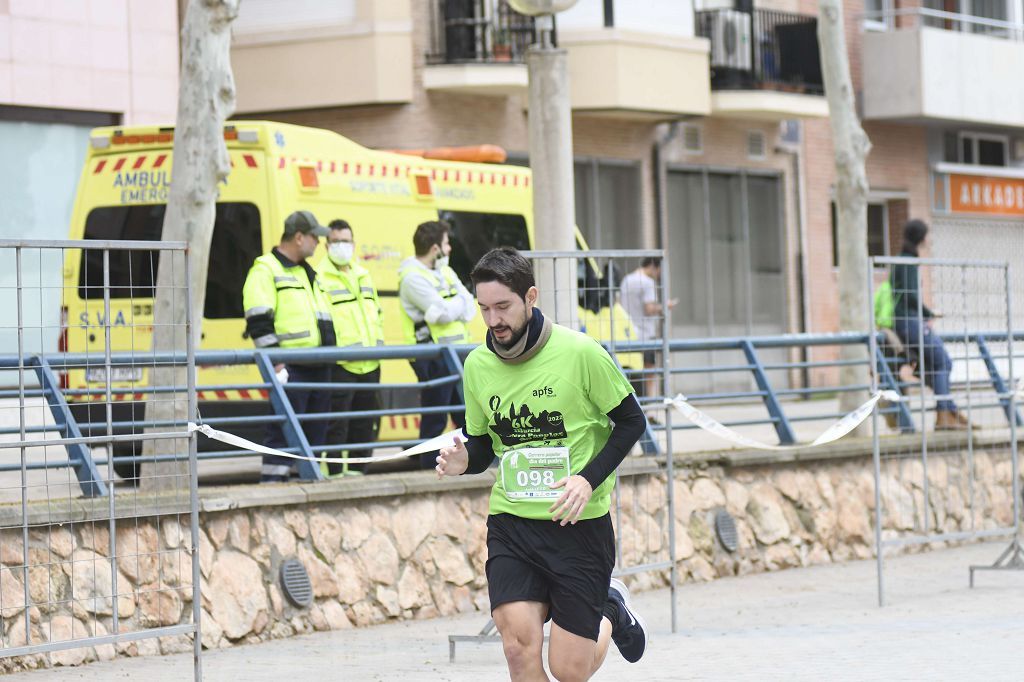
{"type": "Point", "coordinates": [557, 399]}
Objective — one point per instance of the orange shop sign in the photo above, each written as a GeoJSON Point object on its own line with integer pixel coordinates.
{"type": "Point", "coordinates": [984, 194]}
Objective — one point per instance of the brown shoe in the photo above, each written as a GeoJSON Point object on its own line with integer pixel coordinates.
{"type": "Point", "coordinates": [947, 420]}
{"type": "Point", "coordinates": [966, 423]}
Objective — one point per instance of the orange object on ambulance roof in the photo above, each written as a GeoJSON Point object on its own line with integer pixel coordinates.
{"type": "Point", "coordinates": [481, 153]}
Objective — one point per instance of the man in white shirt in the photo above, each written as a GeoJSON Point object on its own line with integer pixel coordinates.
{"type": "Point", "coordinates": [640, 299]}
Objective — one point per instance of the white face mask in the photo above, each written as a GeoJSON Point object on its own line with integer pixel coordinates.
{"type": "Point", "coordinates": [340, 252]}
{"type": "Point", "coordinates": [441, 262]}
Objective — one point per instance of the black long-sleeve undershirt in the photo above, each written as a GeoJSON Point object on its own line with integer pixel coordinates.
{"type": "Point", "coordinates": [628, 422]}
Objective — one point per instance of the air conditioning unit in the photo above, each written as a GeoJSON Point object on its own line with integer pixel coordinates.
{"type": "Point", "coordinates": [730, 40]}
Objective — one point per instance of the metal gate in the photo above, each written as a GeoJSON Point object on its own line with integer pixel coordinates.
{"type": "Point", "coordinates": [945, 456]}
{"type": "Point", "coordinates": [95, 563]}
{"type": "Point", "coordinates": [596, 292]}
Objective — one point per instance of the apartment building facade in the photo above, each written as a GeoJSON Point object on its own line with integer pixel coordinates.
{"type": "Point", "coordinates": [949, 72]}
{"type": "Point", "coordinates": [699, 125]}
{"type": "Point", "coordinates": [673, 143]}
{"type": "Point", "coordinates": [67, 66]}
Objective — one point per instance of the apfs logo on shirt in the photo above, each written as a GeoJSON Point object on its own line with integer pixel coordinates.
{"type": "Point", "coordinates": [522, 425]}
{"type": "Point", "coordinates": [546, 392]}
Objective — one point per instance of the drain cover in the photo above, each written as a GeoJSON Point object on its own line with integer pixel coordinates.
{"type": "Point", "coordinates": [295, 583]}
{"type": "Point", "coordinates": [725, 528]}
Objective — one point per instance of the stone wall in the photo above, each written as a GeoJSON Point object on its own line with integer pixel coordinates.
{"type": "Point", "coordinates": [405, 546]}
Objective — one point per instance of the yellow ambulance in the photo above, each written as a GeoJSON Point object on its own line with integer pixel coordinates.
{"type": "Point", "coordinates": [278, 168]}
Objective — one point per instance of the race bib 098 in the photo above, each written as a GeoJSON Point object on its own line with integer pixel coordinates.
{"type": "Point", "coordinates": [529, 473]}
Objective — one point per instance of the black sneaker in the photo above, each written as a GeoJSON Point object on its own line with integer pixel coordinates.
{"type": "Point", "coordinates": [630, 632]}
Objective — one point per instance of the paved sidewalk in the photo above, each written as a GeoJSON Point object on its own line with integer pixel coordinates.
{"type": "Point", "coordinates": [817, 623]}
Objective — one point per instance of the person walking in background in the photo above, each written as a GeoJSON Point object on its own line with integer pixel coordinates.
{"type": "Point", "coordinates": [916, 332]}
{"type": "Point", "coordinates": [285, 307]}
{"type": "Point", "coordinates": [435, 307]}
{"type": "Point", "coordinates": [639, 293]}
{"type": "Point", "coordinates": [355, 309]}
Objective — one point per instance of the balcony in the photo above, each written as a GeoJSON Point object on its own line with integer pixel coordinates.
{"type": "Point", "coordinates": [631, 74]}
{"type": "Point", "coordinates": [322, 55]}
{"type": "Point", "coordinates": [934, 66]}
{"type": "Point", "coordinates": [764, 64]}
{"type": "Point", "coordinates": [478, 47]}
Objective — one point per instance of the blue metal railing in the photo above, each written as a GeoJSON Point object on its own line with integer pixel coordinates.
{"type": "Point", "coordinates": [76, 436]}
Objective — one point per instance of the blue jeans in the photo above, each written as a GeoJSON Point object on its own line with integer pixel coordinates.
{"type": "Point", "coordinates": [935, 365]}
{"type": "Point", "coordinates": [432, 425]}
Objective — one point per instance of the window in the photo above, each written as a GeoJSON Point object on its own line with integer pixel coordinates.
{"type": "Point", "coordinates": [236, 243]}
{"type": "Point", "coordinates": [984, 150]}
{"type": "Point", "coordinates": [608, 203]}
{"type": "Point", "coordinates": [876, 15]}
{"type": "Point", "coordinates": [757, 145]}
{"type": "Point", "coordinates": [998, 10]}
{"type": "Point", "coordinates": [693, 139]}
{"type": "Point", "coordinates": [474, 234]}
{"type": "Point", "coordinates": [878, 231]}
{"type": "Point", "coordinates": [727, 254]}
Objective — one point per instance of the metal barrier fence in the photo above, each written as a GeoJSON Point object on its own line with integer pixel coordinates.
{"type": "Point", "coordinates": [777, 404]}
{"type": "Point", "coordinates": [951, 352]}
{"type": "Point", "coordinates": [57, 593]}
{"type": "Point", "coordinates": [586, 290]}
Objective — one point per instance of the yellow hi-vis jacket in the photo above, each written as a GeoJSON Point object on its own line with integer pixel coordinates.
{"type": "Point", "coordinates": [296, 306]}
{"type": "Point", "coordinates": [355, 309]}
{"type": "Point", "coordinates": [456, 331]}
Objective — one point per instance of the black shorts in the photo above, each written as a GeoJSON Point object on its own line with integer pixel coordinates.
{"type": "Point", "coordinates": [567, 567]}
{"type": "Point", "coordinates": [650, 358]}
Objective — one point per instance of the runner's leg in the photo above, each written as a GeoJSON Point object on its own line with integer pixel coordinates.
{"type": "Point", "coordinates": [521, 624]}
{"type": "Point", "coordinates": [571, 657]}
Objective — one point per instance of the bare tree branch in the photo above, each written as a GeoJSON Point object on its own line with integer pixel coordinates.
{"type": "Point", "coordinates": [851, 146]}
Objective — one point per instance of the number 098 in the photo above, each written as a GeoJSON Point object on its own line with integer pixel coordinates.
{"type": "Point", "coordinates": [535, 478]}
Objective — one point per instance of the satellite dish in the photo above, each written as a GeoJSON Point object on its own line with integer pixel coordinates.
{"type": "Point", "coordinates": [537, 7]}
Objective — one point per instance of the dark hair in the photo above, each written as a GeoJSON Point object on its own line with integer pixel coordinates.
{"type": "Point", "coordinates": [651, 260]}
{"type": "Point", "coordinates": [914, 233]}
{"type": "Point", "coordinates": [507, 266]}
{"type": "Point", "coordinates": [429, 233]}
{"type": "Point", "coordinates": [339, 224]}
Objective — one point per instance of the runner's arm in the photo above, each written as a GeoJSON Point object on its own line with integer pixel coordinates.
{"type": "Point", "coordinates": [630, 422]}
{"type": "Point", "coordinates": [481, 454]}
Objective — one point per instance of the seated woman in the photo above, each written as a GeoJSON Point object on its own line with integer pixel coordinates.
{"type": "Point", "coordinates": [916, 332]}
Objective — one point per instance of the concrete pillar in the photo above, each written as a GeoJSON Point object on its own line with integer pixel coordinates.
{"type": "Point", "coordinates": [554, 209]}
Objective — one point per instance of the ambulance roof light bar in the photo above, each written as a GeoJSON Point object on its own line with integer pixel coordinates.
{"type": "Point", "coordinates": [164, 135]}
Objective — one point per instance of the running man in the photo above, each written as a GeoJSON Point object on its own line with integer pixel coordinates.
{"type": "Point", "coordinates": [544, 398]}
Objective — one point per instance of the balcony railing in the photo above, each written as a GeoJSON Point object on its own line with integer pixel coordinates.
{"type": "Point", "coordinates": [915, 17]}
{"type": "Point", "coordinates": [478, 32]}
{"type": "Point", "coordinates": [762, 49]}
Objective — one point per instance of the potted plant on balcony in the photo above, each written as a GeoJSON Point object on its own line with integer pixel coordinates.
{"type": "Point", "coordinates": [502, 45]}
